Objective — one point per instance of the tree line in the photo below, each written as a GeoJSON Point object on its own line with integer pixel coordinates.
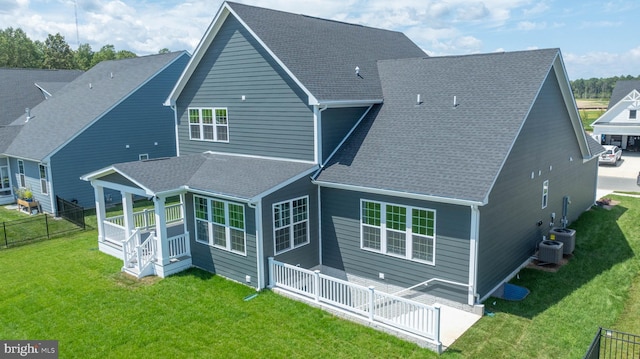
{"type": "Point", "coordinates": [597, 88]}
{"type": "Point", "coordinates": [18, 50]}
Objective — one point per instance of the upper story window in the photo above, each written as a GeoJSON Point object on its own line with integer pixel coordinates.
{"type": "Point", "coordinates": [209, 124]}
{"type": "Point", "coordinates": [400, 231]}
{"type": "Point", "coordinates": [633, 114]}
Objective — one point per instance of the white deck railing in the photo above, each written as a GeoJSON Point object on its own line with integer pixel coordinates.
{"type": "Point", "coordinates": [146, 219]}
{"type": "Point", "coordinates": [367, 303]}
{"type": "Point", "coordinates": [179, 246]}
{"type": "Point", "coordinates": [113, 232]}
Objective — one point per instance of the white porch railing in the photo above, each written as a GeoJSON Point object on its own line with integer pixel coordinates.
{"type": "Point", "coordinates": [367, 303]}
{"type": "Point", "coordinates": [146, 219]}
{"type": "Point", "coordinates": [113, 232]}
{"type": "Point", "coordinates": [179, 246]}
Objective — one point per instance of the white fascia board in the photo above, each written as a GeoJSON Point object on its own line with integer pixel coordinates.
{"type": "Point", "coordinates": [198, 54]}
{"type": "Point", "coordinates": [99, 173]}
{"type": "Point", "coordinates": [120, 187]}
{"type": "Point", "coordinates": [312, 98]}
{"type": "Point", "coordinates": [422, 197]}
{"type": "Point", "coordinates": [217, 195]}
{"type": "Point", "coordinates": [350, 103]}
{"type": "Point", "coordinates": [259, 157]}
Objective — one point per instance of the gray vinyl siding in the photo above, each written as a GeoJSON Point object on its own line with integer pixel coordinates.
{"type": "Point", "coordinates": [219, 261]}
{"type": "Point", "coordinates": [132, 128]}
{"type": "Point", "coordinates": [336, 124]}
{"type": "Point", "coordinates": [547, 148]}
{"type": "Point", "coordinates": [341, 244]}
{"type": "Point", "coordinates": [307, 256]}
{"type": "Point", "coordinates": [274, 120]}
{"type": "Point", "coordinates": [32, 179]}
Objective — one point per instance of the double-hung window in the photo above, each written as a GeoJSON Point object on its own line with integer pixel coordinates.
{"type": "Point", "coordinates": [291, 224]}
{"type": "Point", "coordinates": [220, 224]}
{"type": "Point", "coordinates": [209, 124]}
{"type": "Point", "coordinates": [44, 183]}
{"type": "Point", "coordinates": [21, 179]}
{"type": "Point", "coordinates": [633, 114]}
{"type": "Point", "coordinates": [397, 230]}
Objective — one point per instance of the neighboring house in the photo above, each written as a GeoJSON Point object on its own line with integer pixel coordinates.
{"type": "Point", "coordinates": [620, 124]}
{"type": "Point", "coordinates": [111, 113]}
{"type": "Point", "coordinates": [326, 144]}
{"type": "Point", "coordinates": [22, 89]}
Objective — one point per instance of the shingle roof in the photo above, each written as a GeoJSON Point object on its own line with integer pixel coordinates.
{"type": "Point", "coordinates": [322, 54]}
{"type": "Point", "coordinates": [222, 174]}
{"type": "Point", "coordinates": [18, 90]}
{"type": "Point", "coordinates": [405, 147]}
{"type": "Point", "coordinates": [81, 102]}
{"type": "Point", "coordinates": [622, 89]}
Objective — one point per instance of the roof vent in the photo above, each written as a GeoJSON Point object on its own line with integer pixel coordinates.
{"type": "Point", "coordinates": [455, 102]}
{"type": "Point", "coordinates": [357, 71]}
{"type": "Point", "coordinates": [111, 74]}
{"type": "Point", "coordinates": [90, 85]}
{"type": "Point", "coordinates": [418, 100]}
{"type": "Point", "coordinates": [28, 112]}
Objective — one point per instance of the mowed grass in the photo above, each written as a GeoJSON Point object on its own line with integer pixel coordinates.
{"type": "Point", "coordinates": [589, 115]}
{"type": "Point", "coordinates": [599, 286]}
{"type": "Point", "coordinates": [65, 289]}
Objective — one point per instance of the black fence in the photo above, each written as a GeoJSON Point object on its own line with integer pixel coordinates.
{"type": "Point", "coordinates": [70, 211]}
{"type": "Point", "coordinates": [609, 344]}
{"type": "Point", "coordinates": [34, 228]}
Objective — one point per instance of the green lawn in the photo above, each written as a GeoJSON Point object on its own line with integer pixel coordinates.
{"type": "Point", "coordinates": [65, 289]}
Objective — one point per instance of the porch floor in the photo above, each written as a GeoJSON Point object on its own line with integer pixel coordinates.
{"type": "Point", "coordinates": [455, 318]}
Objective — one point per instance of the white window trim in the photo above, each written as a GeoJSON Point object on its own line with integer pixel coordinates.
{"type": "Point", "coordinates": [227, 226]}
{"type": "Point", "coordinates": [408, 233]}
{"type": "Point", "coordinates": [44, 181]}
{"type": "Point", "coordinates": [22, 181]}
{"type": "Point", "coordinates": [545, 194]}
{"type": "Point", "coordinates": [291, 225]}
{"type": "Point", "coordinates": [143, 156]}
{"type": "Point", "coordinates": [213, 124]}
{"type": "Point", "coordinates": [2, 186]}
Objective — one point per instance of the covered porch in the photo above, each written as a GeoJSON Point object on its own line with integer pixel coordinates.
{"type": "Point", "coordinates": [149, 241]}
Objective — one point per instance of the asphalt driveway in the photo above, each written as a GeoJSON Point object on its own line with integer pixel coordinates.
{"type": "Point", "coordinates": [621, 177]}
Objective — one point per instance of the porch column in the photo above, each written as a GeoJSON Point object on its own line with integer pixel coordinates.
{"type": "Point", "coordinates": [100, 210]}
{"type": "Point", "coordinates": [127, 208]}
{"type": "Point", "coordinates": [161, 230]}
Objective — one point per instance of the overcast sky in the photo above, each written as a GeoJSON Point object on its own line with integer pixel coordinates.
{"type": "Point", "coordinates": [598, 38]}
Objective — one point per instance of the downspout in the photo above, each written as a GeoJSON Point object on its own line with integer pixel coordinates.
{"type": "Point", "coordinates": [175, 119]}
{"type": "Point", "coordinates": [317, 119]}
{"type": "Point", "coordinates": [51, 190]}
{"type": "Point", "coordinates": [473, 254]}
{"type": "Point", "coordinates": [259, 245]}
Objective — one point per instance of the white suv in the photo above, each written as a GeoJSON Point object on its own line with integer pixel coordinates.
{"type": "Point", "coordinates": [612, 155]}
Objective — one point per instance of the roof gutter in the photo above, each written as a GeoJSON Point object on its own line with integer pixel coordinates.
{"type": "Point", "coordinates": [386, 192]}
{"type": "Point", "coordinates": [346, 103]}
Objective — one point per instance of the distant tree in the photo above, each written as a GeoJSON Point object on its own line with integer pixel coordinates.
{"type": "Point", "coordinates": [164, 51]}
{"type": "Point", "coordinates": [83, 56]}
{"type": "Point", "coordinates": [17, 49]}
{"type": "Point", "coordinates": [600, 88]}
{"type": "Point", "coordinates": [107, 52]}
{"type": "Point", "coordinates": [124, 54]}
{"type": "Point", "coordinates": [57, 53]}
